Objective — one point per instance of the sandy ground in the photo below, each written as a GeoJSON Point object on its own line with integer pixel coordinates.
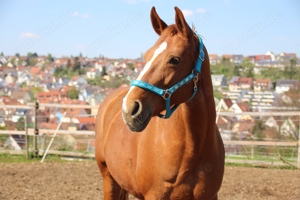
{"type": "Point", "coordinates": [82, 180]}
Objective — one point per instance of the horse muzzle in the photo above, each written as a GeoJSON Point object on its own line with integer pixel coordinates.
{"type": "Point", "coordinates": [136, 118]}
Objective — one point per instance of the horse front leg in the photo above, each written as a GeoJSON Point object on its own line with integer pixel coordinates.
{"type": "Point", "coordinates": [111, 189]}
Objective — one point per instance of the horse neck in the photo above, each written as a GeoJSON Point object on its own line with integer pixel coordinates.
{"type": "Point", "coordinates": [199, 113]}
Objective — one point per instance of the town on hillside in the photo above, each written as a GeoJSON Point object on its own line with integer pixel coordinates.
{"type": "Point", "coordinates": [254, 83]}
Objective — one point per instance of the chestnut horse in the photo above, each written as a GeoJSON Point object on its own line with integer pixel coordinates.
{"type": "Point", "coordinates": [158, 139]}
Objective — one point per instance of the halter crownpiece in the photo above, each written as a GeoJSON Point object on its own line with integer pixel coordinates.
{"type": "Point", "coordinates": [167, 93]}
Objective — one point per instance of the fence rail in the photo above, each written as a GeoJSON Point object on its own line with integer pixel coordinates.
{"type": "Point", "coordinates": [82, 143]}
{"type": "Point", "coordinates": [251, 152]}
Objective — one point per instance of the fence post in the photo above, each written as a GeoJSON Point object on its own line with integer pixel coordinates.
{"type": "Point", "coordinates": [299, 143]}
{"type": "Point", "coordinates": [26, 138]}
{"type": "Point", "coordinates": [36, 131]}
{"type": "Point", "coordinates": [52, 139]}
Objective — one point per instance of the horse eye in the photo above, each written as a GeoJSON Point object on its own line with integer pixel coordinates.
{"type": "Point", "coordinates": [174, 60]}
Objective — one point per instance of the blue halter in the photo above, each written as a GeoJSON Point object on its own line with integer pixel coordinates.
{"type": "Point", "coordinates": [166, 94]}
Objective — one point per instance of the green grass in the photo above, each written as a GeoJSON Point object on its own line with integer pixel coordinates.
{"type": "Point", "coordinates": [8, 158]}
{"type": "Point", "coordinates": [288, 167]}
{"type": "Point", "coordinates": [261, 158]}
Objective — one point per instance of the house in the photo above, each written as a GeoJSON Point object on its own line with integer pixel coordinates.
{"type": "Point", "coordinates": [3, 60]}
{"type": "Point", "coordinates": [35, 71]}
{"type": "Point", "coordinates": [53, 96]}
{"type": "Point", "coordinates": [213, 59]}
{"type": "Point", "coordinates": [269, 63]}
{"type": "Point", "coordinates": [240, 83]}
{"type": "Point", "coordinates": [10, 79]}
{"type": "Point", "coordinates": [237, 59]}
{"type": "Point", "coordinates": [233, 83]}
{"type": "Point", "coordinates": [224, 104]}
{"type": "Point", "coordinates": [18, 114]}
{"type": "Point", "coordinates": [286, 57]}
{"type": "Point", "coordinates": [272, 123]}
{"type": "Point", "coordinates": [262, 85]}
{"type": "Point", "coordinates": [92, 73]}
{"type": "Point", "coordinates": [77, 81]}
{"type": "Point", "coordinates": [240, 107]}
{"type": "Point", "coordinates": [245, 83]}
{"type": "Point", "coordinates": [87, 91]}
{"type": "Point", "coordinates": [285, 85]}
{"type": "Point", "coordinates": [87, 123]}
{"type": "Point", "coordinates": [227, 57]}
{"type": "Point", "coordinates": [22, 96]}
{"type": "Point", "coordinates": [218, 80]}
{"type": "Point", "coordinates": [224, 123]}
{"type": "Point", "coordinates": [272, 55]}
{"type": "Point", "coordinates": [24, 77]}
{"type": "Point", "coordinates": [290, 128]}
{"type": "Point", "coordinates": [242, 129]}
{"type": "Point", "coordinates": [15, 142]}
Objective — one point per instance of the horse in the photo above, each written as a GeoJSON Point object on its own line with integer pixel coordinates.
{"type": "Point", "coordinates": [158, 139]}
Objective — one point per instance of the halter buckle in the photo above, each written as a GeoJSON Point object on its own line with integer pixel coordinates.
{"type": "Point", "coordinates": [201, 55]}
{"type": "Point", "coordinates": [195, 80]}
{"type": "Point", "coordinates": [166, 95]}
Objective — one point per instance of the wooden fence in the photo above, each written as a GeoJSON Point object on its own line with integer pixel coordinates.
{"type": "Point", "coordinates": [41, 132]}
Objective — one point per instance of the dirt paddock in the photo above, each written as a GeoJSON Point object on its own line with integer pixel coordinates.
{"type": "Point", "coordinates": [82, 180]}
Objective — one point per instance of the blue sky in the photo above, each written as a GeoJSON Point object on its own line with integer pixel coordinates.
{"type": "Point", "coordinates": [122, 28]}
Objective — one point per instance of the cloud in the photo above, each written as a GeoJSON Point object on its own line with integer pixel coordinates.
{"type": "Point", "coordinates": [29, 35]}
{"type": "Point", "coordinates": [85, 16]}
{"type": "Point", "coordinates": [187, 13]}
{"type": "Point", "coordinates": [226, 2]}
{"type": "Point", "coordinates": [135, 1]}
{"type": "Point", "coordinates": [75, 14]}
{"type": "Point", "coordinates": [201, 10]}
{"type": "Point", "coordinates": [282, 38]}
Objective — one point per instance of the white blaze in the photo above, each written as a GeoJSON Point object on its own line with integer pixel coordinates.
{"type": "Point", "coordinates": [158, 51]}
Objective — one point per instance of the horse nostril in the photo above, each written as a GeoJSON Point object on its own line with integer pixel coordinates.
{"type": "Point", "coordinates": [136, 109]}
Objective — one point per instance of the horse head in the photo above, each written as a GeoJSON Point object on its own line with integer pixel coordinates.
{"type": "Point", "coordinates": [169, 77]}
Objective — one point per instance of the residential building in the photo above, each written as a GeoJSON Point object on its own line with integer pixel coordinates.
{"type": "Point", "coordinates": [240, 83]}
{"type": "Point", "coordinates": [285, 85]}
{"type": "Point", "coordinates": [224, 104]}
{"type": "Point", "coordinates": [213, 59]}
{"type": "Point", "coordinates": [218, 80]}
{"type": "Point", "coordinates": [237, 59]}
{"type": "Point", "coordinates": [262, 85]}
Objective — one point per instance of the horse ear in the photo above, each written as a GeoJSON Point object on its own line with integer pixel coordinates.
{"type": "Point", "coordinates": [158, 24]}
{"type": "Point", "coordinates": [181, 23]}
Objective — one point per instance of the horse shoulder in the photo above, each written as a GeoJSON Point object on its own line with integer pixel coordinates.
{"type": "Point", "coordinates": [107, 111]}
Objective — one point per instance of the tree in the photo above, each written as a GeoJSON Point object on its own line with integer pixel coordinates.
{"type": "Point", "coordinates": [249, 72]}
{"type": "Point", "coordinates": [248, 67]}
{"type": "Point", "coordinates": [17, 55]}
{"type": "Point", "coordinates": [1, 54]}
{"type": "Point", "coordinates": [31, 59]}
{"type": "Point", "coordinates": [50, 58]}
{"type": "Point", "coordinates": [20, 124]}
{"type": "Point", "coordinates": [73, 93]}
{"type": "Point", "coordinates": [291, 70]}
{"type": "Point", "coordinates": [236, 70]}
{"type": "Point", "coordinates": [103, 72]}
{"type": "Point", "coordinates": [257, 130]}
{"type": "Point", "coordinates": [77, 64]}
{"type": "Point", "coordinates": [68, 63]}
{"type": "Point", "coordinates": [35, 90]}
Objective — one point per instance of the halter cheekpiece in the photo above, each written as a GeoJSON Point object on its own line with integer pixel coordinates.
{"type": "Point", "coordinates": [167, 93]}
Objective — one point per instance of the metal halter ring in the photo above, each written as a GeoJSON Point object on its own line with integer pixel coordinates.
{"type": "Point", "coordinates": [166, 95]}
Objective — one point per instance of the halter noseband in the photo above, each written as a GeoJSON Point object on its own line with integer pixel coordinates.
{"type": "Point", "coordinates": [166, 94]}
